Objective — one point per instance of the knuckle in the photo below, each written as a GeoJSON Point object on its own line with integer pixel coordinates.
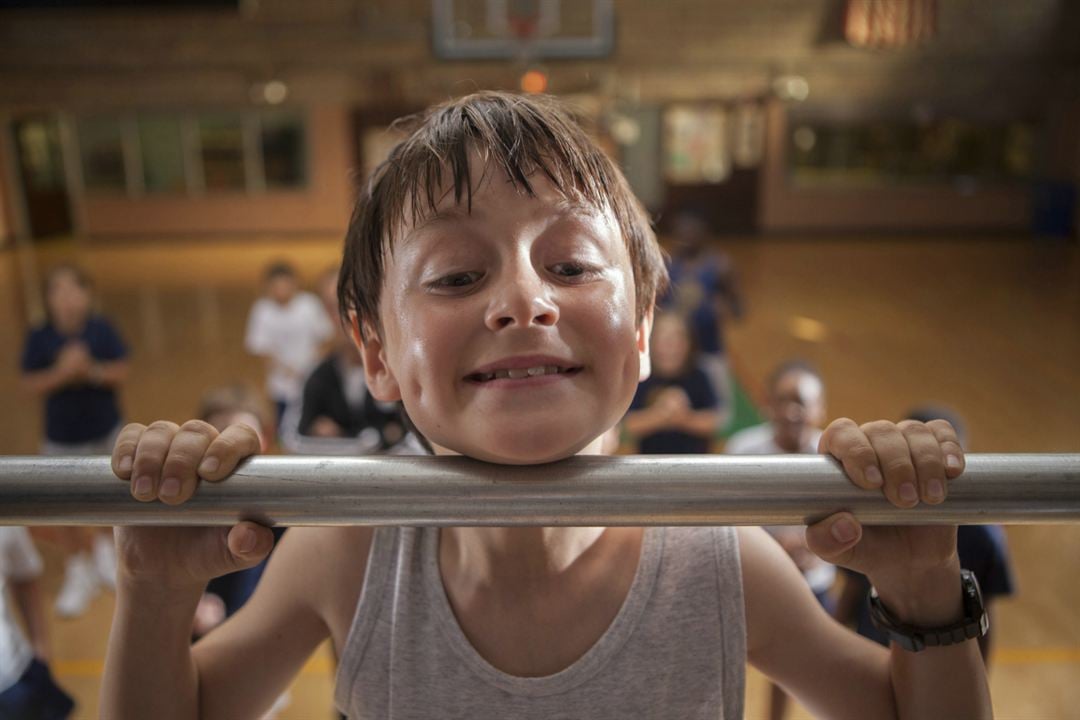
{"type": "Point", "coordinates": [898, 466]}
{"type": "Point", "coordinates": [913, 427]}
{"type": "Point", "coordinates": [878, 427]}
{"type": "Point", "coordinates": [199, 427]}
{"type": "Point", "coordinates": [862, 454]}
{"type": "Point", "coordinates": [163, 427]}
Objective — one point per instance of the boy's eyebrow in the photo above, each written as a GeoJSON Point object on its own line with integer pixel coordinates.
{"type": "Point", "coordinates": [566, 206]}
{"type": "Point", "coordinates": [447, 215]}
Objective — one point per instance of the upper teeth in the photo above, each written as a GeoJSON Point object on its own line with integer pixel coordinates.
{"type": "Point", "coordinates": [517, 373]}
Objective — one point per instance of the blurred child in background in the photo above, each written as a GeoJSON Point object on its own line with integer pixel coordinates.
{"type": "Point", "coordinates": [704, 290]}
{"type": "Point", "coordinates": [983, 549]}
{"type": "Point", "coordinates": [288, 327]}
{"type": "Point", "coordinates": [796, 412]}
{"type": "Point", "coordinates": [676, 409]}
{"type": "Point", "coordinates": [27, 688]}
{"type": "Point", "coordinates": [77, 362]}
{"type": "Point", "coordinates": [336, 403]}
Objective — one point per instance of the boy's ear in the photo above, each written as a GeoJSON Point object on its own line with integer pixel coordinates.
{"type": "Point", "coordinates": [380, 379]}
{"type": "Point", "coordinates": [644, 332]}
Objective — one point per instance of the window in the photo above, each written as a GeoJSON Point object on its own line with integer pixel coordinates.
{"type": "Point", "coordinates": [181, 153]}
{"type": "Point", "coordinates": [883, 152]}
{"type": "Point", "coordinates": [284, 157]}
{"type": "Point", "coordinates": [221, 141]}
{"type": "Point", "coordinates": [162, 149]}
{"type": "Point", "coordinates": [101, 145]}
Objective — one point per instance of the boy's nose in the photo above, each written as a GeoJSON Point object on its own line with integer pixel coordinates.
{"type": "Point", "coordinates": [522, 300]}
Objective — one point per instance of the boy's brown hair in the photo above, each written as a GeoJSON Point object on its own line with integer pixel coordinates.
{"type": "Point", "coordinates": [515, 134]}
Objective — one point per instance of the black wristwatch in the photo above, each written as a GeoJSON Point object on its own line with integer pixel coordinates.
{"type": "Point", "coordinates": [974, 624]}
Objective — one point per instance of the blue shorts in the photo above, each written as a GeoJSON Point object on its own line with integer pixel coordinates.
{"type": "Point", "coordinates": [35, 696]}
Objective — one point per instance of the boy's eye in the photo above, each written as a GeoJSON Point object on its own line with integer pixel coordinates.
{"type": "Point", "coordinates": [457, 280]}
{"type": "Point", "coordinates": [569, 269]}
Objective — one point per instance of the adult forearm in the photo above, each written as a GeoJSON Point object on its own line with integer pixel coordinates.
{"type": "Point", "coordinates": [149, 668]}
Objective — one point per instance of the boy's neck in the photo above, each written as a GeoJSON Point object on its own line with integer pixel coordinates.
{"type": "Point", "coordinates": [514, 555]}
{"type": "Point", "coordinates": [489, 554]}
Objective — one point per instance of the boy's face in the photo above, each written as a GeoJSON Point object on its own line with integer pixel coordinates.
{"type": "Point", "coordinates": [509, 333]}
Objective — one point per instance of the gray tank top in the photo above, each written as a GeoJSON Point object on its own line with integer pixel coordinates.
{"type": "Point", "coordinates": [676, 649]}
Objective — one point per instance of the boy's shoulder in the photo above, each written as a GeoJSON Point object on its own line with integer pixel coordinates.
{"type": "Point", "coordinates": [325, 566]}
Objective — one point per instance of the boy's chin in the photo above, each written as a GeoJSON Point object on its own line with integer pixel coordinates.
{"type": "Point", "coordinates": [515, 453]}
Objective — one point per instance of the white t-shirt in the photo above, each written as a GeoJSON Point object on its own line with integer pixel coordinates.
{"type": "Point", "coordinates": [760, 440]}
{"type": "Point", "coordinates": [19, 561]}
{"type": "Point", "coordinates": [290, 335]}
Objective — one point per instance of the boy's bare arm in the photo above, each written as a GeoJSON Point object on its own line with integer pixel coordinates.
{"type": "Point", "coordinates": [240, 668]}
{"type": "Point", "coordinates": [832, 671]}
{"type": "Point", "coordinates": [836, 673]}
{"type": "Point", "coordinates": [247, 662]}
{"type": "Point", "coordinates": [150, 668]}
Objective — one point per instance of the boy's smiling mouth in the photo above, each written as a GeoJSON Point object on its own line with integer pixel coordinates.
{"type": "Point", "coordinates": [525, 368]}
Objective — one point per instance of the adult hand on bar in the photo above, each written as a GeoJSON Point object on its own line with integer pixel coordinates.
{"type": "Point", "coordinates": [166, 462]}
{"type": "Point", "coordinates": [911, 566]}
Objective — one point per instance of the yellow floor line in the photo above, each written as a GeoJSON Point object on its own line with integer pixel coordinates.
{"type": "Point", "coordinates": [324, 666]}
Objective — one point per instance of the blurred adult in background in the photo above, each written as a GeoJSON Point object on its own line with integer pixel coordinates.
{"type": "Point", "coordinates": [796, 414]}
{"type": "Point", "coordinates": [288, 327]}
{"type": "Point", "coordinates": [27, 688]}
{"type": "Point", "coordinates": [983, 549]}
{"type": "Point", "coordinates": [704, 290]}
{"type": "Point", "coordinates": [77, 362]}
{"type": "Point", "coordinates": [675, 410]}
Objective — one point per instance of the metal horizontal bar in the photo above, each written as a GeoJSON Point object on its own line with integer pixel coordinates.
{"type": "Point", "coordinates": [625, 490]}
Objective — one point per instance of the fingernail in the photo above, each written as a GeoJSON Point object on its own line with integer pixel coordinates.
{"type": "Point", "coordinates": [170, 488]}
{"type": "Point", "coordinates": [125, 464]}
{"type": "Point", "coordinates": [873, 476]}
{"type": "Point", "coordinates": [208, 466]}
{"type": "Point", "coordinates": [909, 494]}
{"type": "Point", "coordinates": [952, 462]}
{"type": "Point", "coordinates": [143, 486]}
{"type": "Point", "coordinates": [935, 490]}
{"type": "Point", "coordinates": [843, 530]}
{"type": "Point", "coordinates": [247, 541]}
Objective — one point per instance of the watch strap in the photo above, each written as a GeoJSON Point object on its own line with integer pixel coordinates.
{"type": "Point", "coordinates": [974, 624]}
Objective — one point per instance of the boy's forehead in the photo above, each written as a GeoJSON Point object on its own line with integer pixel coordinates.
{"type": "Point", "coordinates": [492, 195]}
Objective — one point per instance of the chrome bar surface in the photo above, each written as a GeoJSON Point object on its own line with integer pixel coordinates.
{"type": "Point", "coordinates": [584, 490]}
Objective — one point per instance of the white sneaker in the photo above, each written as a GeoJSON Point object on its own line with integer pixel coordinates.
{"type": "Point", "coordinates": [81, 586]}
{"type": "Point", "coordinates": [105, 559]}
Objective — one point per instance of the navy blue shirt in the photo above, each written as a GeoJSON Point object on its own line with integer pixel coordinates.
{"type": "Point", "coordinates": [705, 282]}
{"type": "Point", "coordinates": [77, 413]}
{"type": "Point", "coordinates": [697, 387]}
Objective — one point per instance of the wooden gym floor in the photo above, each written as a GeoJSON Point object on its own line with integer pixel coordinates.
{"type": "Point", "coordinates": [989, 327]}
